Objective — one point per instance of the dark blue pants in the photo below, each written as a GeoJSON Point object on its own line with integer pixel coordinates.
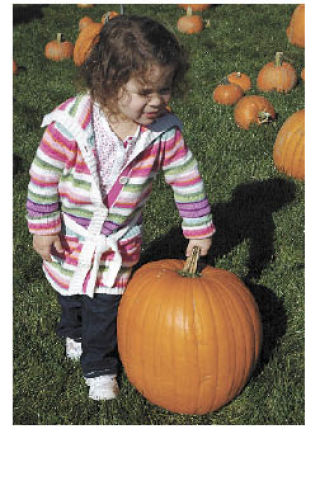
{"type": "Point", "coordinates": [93, 321]}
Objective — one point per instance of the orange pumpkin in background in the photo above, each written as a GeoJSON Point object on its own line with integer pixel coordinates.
{"type": "Point", "coordinates": [59, 49]}
{"type": "Point", "coordinates": [84, 22]}
{"type": "Point", "coordinates": [190, 23]}
{"type": "Point", "coordinates": [87, 38]}
{"type": "Point", "coordinates": [253, 109]}
{"type": "Point", "coordinates": [15, 68]}
{"type": "Point", "coordinates": [241, 79]}
{"type": "Point", "coordinates": [188, 344]}
{"type": "Point", "coordinates": [278, 75]}
{"type": "Point", "coordinates": [227, 93]}
{"type": "Point", "coordinates": [296, 29]}
{"type": "Point", "coordinates": [288, 149]}
{"type": "Point", "coordinates": [303, 74]}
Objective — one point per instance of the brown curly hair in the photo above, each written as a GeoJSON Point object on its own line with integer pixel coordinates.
{"type": "Point", "coordinates": [126, 47]}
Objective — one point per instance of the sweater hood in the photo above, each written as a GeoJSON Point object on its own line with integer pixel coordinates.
{"type": "Point", "coordinates": [76, 115]}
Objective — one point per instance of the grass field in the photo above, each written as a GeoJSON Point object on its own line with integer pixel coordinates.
{"type": "Point", "coordinates": [258, 212]}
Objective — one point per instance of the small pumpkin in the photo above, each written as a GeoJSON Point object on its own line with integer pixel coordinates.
{"type": "Point", "coordinates": [84, 22]}
{"type": "Point", "coordinates": [87, 38]}
{"type": "Point", "coordinates": [190, 343]}
{"type": "Point", "coordinates": [108, 16]}
{"type": "Point", "coordinates": [296, 29]}
{"type": "Point", "coordinates": [278, 75]}
{"type": "Point", "coordinates": [288, 149]}
{"type": "Point", "coordinates": [241, 79]}
{"type": "Point", "coordinates": [227, 93]}
{"type": "Point", "coordinates": [253, 109]}
{"type": "Point", "coordinates": [59, 49]}
{"type": "Point", "coordinates": [190, 23]}
{"type": "Point", "coordinates": [196, 7]}
{"type": "Point", "coordinates": [303, 74]}
{"type": "Point", "coordinates": [15, 68]}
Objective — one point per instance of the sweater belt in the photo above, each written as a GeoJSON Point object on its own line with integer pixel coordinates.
{"type": "Point", "coordinates": [89, 260]}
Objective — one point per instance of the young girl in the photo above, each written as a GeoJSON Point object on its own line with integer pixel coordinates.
{"type": "Point", "coordinates": [91, 177]}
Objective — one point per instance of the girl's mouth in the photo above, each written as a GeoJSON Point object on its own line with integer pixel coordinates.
{"type": "Point", "coordinates": [152, 115]}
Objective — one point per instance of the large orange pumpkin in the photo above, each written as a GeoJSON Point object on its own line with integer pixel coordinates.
{"type": "Point", "coordinates": [189, 23]}
{"type": "Point", "coordinates": [87, 38]}
{"type": "Point", "coordinates": [59, 49]}
{"type": "Point", "coordinates": [288, 150]}
{"type": "Point", "coordinates": [253, 109]}
{"type": "Point", "coordinates": [295, 31]}
{"type": "Point", "coordinates": [188, 344]}
{"type": "Point", "coordinates": [278, 75]}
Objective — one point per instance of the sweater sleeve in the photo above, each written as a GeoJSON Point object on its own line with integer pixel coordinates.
{"type": "Point", "coordinates": [43, 204]}
{"type": "Point", "coordinates": [182, 174]}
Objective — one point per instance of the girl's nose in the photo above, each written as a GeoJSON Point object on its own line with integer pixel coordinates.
{"type": "Point", "coordinates": [155, 100]}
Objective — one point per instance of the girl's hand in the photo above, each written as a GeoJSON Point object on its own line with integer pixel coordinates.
{"type": "Point", "coordinates": [204, 245]}
{"type": "Point", "coordinates": [42, 244]}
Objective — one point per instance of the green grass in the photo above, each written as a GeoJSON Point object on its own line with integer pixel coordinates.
{"type": "Point", "coordinates": [259, 214]}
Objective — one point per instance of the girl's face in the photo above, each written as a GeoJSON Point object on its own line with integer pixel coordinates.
{"type": "Point", "coordinates": [143, 101]}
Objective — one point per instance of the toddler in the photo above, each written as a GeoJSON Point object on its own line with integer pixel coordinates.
{"type": "Point", "coordinates": [92, 175]}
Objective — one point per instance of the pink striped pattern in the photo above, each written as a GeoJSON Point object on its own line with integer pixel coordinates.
{"type": "Point", "coordinates": [59, 175]}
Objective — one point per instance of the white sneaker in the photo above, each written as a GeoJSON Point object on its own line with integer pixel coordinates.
{"type": "Point", "coordinates": [103, 387]}
{"type": "Point", "coordinates": [73, 349]}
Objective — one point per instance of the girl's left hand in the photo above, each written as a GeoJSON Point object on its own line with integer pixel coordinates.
{"type": "Point", "coordinates": [204, 245]}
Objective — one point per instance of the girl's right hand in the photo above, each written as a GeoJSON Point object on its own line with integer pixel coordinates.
{"type": "Point", "coordinates": [42, 244]}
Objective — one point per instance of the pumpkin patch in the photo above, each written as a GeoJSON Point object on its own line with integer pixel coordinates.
{"type": "Point", "coordinates": [257, 200]}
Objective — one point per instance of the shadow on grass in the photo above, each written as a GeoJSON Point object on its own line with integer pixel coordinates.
{"type": "Point", "coordinates": [248, 216]}
{"type": "Point", "coordinates": [27, 13]}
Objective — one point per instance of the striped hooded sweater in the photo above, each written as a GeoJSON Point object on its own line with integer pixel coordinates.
{"type": "Point", "coordinates": [102, 237]}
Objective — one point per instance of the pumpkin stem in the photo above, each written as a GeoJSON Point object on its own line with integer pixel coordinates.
{"type": "Point", "coordinates": [60, 37]}
{"type": "Point", "coordinates": [190, 267]}
{"type": "Point", "coordinates": [189, 11]}
{"type": "Point", "coordinates": [264, 117]}
{"type": "Point", "coordinates": [278, 59]}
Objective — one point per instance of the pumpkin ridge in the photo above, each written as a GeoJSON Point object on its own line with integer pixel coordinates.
{"type": "Point", "coordinates": [233, 317]}
{"type": "Point", "coordinates": [230, 385]}
{"type": "Point", "coordinates": [250, 324]}
{"type": "Point", "coordinates": [232, 287]}
{"type": "Point", "coordinates": [241, 341]}
{"type": "Point", "coordinates": [234, 386]}
{"type": "Point", "coordinates": [299, 148]}
{"type": "Point", "coordinates": [159, 322]}
{"type": "Point", "coordinates": [214, 401]}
